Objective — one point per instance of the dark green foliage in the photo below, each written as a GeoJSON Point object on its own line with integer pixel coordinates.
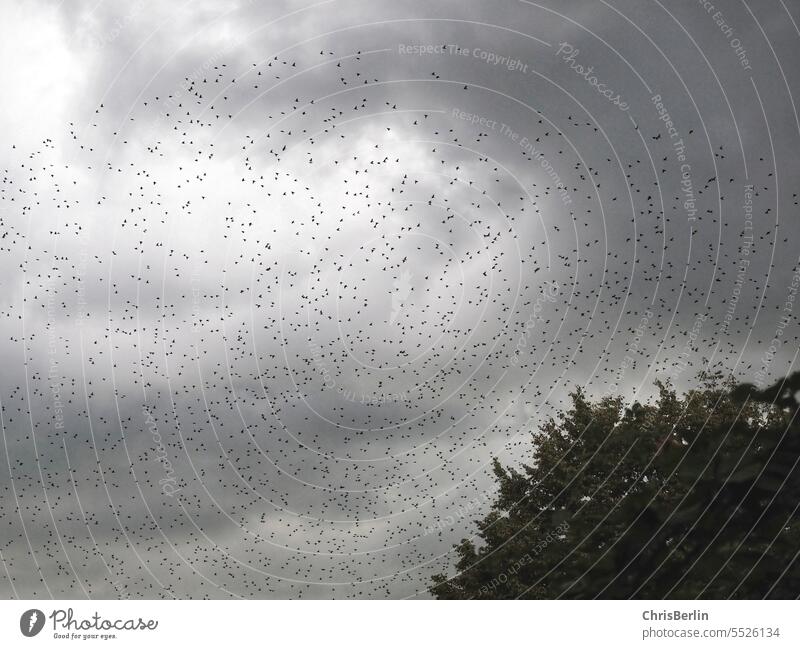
{"type": "Point", "coordinates": [693, 496]}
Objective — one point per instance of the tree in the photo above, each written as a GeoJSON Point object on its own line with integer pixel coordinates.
{"type": "Point", "coordinates": [692, 496]}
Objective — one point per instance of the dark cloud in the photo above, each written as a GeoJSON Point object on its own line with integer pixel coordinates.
{"type": "Point", "coordinates": [279, 280]}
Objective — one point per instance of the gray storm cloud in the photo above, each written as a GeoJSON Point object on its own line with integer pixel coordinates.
{"type": "Point", "coordinates": [280, 280]}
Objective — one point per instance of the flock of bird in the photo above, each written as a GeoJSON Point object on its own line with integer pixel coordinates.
{"type": "Point", "coordinates": [262, 335]}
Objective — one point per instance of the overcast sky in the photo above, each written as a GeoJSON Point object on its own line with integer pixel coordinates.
{"type": "Point", "coordinates": [278, 280]}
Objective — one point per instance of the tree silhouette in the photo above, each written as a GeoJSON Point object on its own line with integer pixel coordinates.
{"type": "Point", "coordinates": [692, 496]}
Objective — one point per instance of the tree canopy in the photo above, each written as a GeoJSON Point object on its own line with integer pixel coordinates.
{"type": "Point", "coordinates": [689, 496]}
